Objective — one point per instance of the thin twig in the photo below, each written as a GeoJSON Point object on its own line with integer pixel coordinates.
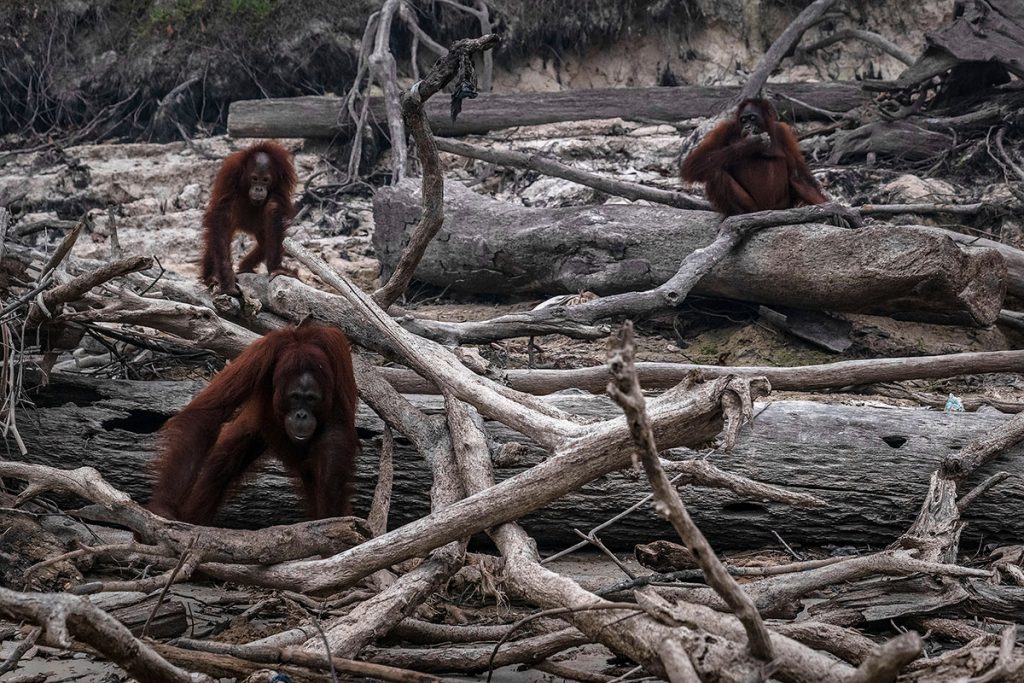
{"type": "Point", "coordinates": [320, 632]}
{"type": "Point", "coordinates": [186, 557]}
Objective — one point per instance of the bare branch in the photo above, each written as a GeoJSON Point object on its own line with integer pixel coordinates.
{"type": "Point", "coordinates": [536, 162]}
{"type": "Point", "coordinates": [625, 390]}
{"type": "Point", "coordinates": [801, 378]}
{"type": "Point", "coordinates": [869, 37]}
{"type": "Point", "coordinates": [47, 305]}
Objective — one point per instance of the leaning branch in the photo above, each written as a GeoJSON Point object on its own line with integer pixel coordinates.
{"type": "Point", "coordinates": [443, 71]}
{"type": "Point", "coordinates": [625, 390]}
{"type": "Point", "coordinates": [869, 37]}
{"type": "Point", "coordinates": [536, 162]}
{"type": "Point", "coordinates": [62, 616]}
{"type": "Point", "coordinates": [782, 46]}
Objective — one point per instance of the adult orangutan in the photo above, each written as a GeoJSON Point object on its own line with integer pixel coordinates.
{"type": "Point", "coordinates": [292, 394]}
{"type": "Point", "coordinates": [251, 193]}
{"type": "Point", "coordinates": [752, 162]}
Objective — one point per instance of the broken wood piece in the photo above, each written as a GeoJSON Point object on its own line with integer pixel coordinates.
{"type": "Point", "coordinates": [815, 327]}
{"type": "Point", "coordinates": [664, 556]}
{"type": "Point", "coordinates": [491, 247]}
{"type": "Point", "coordinates": [983, 33]}
{"type": "Point", "coordinates": [169, 620]}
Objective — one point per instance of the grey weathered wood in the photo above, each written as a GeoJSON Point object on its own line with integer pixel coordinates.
{"type": "Point", "coordinates": [318, 116]}
{"type": "Point", "coordinates": [871, 464]}
{"type": "Point", "coordinates": [983, 32]}
{"type": "Point", "coordinates": [23, 543]}
{"type": "Point", "coordinates": [1013, 257]}
{"type": "Point", "coordinates": [899, 140]}
{"type": "Point", "coordinates": [487, 246]}
{"type": "Point", "coordinates": [170, 620]}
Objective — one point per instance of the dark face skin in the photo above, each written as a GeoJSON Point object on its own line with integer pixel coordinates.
{"type": "Point", "coordinates": [751, 121]}
{"type": "Point", "coordinates": [303, 401]}
{"type": "Point", "coordinates": [259, 178]}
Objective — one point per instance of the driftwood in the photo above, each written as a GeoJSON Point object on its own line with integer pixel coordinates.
{"type": "Point", "coordinates": [836, 375]}
{"type": "Point", "coordinates": [984, 34]}
{"type": "Point", "coordinates": [317, 116]}
{"type": "Point", "coordinates": [900, 140]}
{"type": "Point", "coordinates": [624, 388]}
{"type": "Point", "coordinates": [487, 246]}
{"type": "Point", "coordinates": [136, 611]}
{"type": "Point", "coordinates": [886, 457]}
{"type": "Point", "coordinates": [862, 461]}
{"type": "Point", "coordinates": [1013, 257]}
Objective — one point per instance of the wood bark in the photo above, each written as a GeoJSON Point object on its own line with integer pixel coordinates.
{"type": "Point", "coordinates": [898, 140]}
{"type": "Point", "coordinates": [872, 465]}
{"type": "Point", "coordinates": [317, 116]}
{"type": "Point", "coordinates": [494, 247]}
{"type": "Point", "coordinates": [983, 32]}
{"type": "Point", "coordinates": [654, 375]}
{"type": "Point", "coordinates": [25, 542]}
{"type": "Point", "coordinates": [1013, 257]}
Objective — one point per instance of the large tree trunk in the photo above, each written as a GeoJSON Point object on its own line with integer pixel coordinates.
{"type": "Point", "coordinates": [491, 247]}
{"type": "Point", "coordinates": [872, 465]}
{"type": "Point", "coordinates": [317, 117]}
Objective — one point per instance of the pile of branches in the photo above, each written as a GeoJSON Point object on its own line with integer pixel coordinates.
{"type": "Point", "coordinates": [360, 583]}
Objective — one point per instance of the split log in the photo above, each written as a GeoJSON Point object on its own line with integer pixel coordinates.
{"type": "Point", "coordinates": [135, 610]}
{"type": "Point", "coordinates": [871, 464]}
{"type": "Point", "coordinates": [491, 247]}
{"type": "Point", "coordinates": [317, 116]}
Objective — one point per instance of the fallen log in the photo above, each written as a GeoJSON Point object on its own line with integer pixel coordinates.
{"type": "Point", "coordinates": [654, 375]}
{"type": "Point", "coordinates": [1013, 257]}
{"type": "Point", "coordinates": [318, 116]}
{"type": "Point", "coordinates": [871, 464]}
{"type": "Point", "coordinates": [983, 39]}
{"type": "Point", "coordinates": [491, 247]}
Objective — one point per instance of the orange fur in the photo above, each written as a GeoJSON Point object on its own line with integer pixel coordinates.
{"type": "Point", "coordinates": [209, 446]}
{"type": "Point", "coordinates": [739, 176]}
{"type": "Point", "coordinates": [230, 210]}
